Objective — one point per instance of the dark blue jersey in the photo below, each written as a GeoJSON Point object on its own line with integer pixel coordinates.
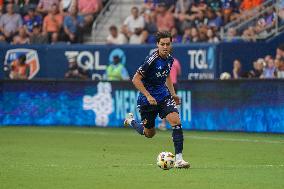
{"type": "Point", "coordinates": [154, 72]}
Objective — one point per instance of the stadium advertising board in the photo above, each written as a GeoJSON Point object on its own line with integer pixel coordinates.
{"type": "Point", "coordinates": [198, 61]}
{"type": "Point", "coordinates": [249, 105]}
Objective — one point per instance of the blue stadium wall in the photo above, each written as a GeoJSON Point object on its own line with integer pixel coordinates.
{"type": "Point", "coordinates": [246, 105]}
{"type": "Point", "coordinates": [214, 105]}
{"type": "Point", "coordinates": [199, 61]}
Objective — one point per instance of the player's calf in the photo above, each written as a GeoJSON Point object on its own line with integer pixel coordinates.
{"type": "Point", "coordinates": [130, 121]}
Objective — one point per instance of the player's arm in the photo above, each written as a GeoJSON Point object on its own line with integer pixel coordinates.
{"type": "Point", "coordinates": [170, 86]}
{"type": "Point", "coordinates": [137, 81]}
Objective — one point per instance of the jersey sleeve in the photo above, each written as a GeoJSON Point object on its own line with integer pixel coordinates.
{"type": "Point", "coordinates": [143, 69]}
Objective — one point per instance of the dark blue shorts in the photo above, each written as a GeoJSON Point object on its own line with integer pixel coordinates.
{"type": "Point", "coordinates": [150, 112]}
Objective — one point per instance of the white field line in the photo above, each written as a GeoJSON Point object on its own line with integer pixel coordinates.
{"type": "Point", "coordinates": [191, 136]}
{"type": "Point", "coordinates": [77, 166]}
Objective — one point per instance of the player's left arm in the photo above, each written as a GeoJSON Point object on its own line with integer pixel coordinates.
{"type": "Point", "coordinates": [170, 86]}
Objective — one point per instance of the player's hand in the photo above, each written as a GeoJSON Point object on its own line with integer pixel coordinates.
{"type": "Point", "coordinates": [151, 100]}
{"type": "Point", "coordinates": [177, 99]}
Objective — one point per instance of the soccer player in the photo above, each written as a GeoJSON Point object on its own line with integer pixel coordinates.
{"type": "Point", "coordinates": [157, 96]}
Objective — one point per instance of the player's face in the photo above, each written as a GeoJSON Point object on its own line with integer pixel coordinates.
{"type": "Point", "coordinates": [164, 46]}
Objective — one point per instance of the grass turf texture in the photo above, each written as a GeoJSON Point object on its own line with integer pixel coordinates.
{"type": "Point", "coordinates": [59, 157]}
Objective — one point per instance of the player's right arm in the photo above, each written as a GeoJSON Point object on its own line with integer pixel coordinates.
{"type": "Point", "coordinates": [137, 81]}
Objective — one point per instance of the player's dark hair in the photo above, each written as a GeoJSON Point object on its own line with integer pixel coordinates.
{"type": "Point", "coordinates": [163, 34]}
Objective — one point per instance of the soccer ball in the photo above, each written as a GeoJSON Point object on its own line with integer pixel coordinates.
{"type": "Point", "coordinates": [166, 160]}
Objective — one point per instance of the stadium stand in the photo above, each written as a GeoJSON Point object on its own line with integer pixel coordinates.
{"type": "Point", "coordinates": [226, 20]}
{"type": "Point", "coordinates": [188, 20]}
{"type": "Point", "coordinates": [56, 20]}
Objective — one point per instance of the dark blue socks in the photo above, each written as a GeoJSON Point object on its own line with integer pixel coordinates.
{"type": "Point", "coordinates": [138, 127]}
{"type": "Point", "coordinates": [178, 138]}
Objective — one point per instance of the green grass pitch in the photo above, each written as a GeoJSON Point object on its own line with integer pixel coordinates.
{"type": "Point", "coordinates": [69, 157]}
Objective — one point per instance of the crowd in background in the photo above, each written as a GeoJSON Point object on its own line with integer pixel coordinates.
{"type": "Point", "coordinates": [53, 21]}
{"type": "Point", "coordinates": [56, 21]}
{"type": "Point", "coordinates": [46, 21]}
{"type": "Point", "coordinates": [267, 67]}
{"type": "Point", "coordinates": [192, 21]}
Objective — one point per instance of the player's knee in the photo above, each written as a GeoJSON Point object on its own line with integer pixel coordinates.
{"type": "Point", "coordinates": [175, 122]}
{"type": "Point", "coordinates": [173, 119]}
{"type": "Point", "coordinates": [150, 133]}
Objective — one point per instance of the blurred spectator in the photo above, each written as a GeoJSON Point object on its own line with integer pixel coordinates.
{"type": "Point", "coordinates": [175, 72]}
{"type": "Point", "coordinates": [21, 6]}
{"type": "Point", "coordinates": [89, 9]}
{"type": "Point", "coordinates": [37, 37]}
{"type": "Point", "coordinates": [237, 69]}
{"type": "Point", "coordinates": [73, 26]}
{"type": "Point", "coordinates": [150, 27]}
{"type": "Point", "coordinates": [214, 5]}
{"type": "Point", "coordinates": [182, 6]}
{"type": "Point", "coordinates": [280, 51]}
{"type": "Point", "coordinates": [138, 37]}
{"type": "Point", "coordinates": [257, 70]}
{"type": "Point", "coordinates": [269, 70]}
{"type": "Point", "coordinates": [198, 6]}
{"type": "Point", "coordinates": [200, 20]}
{"type": "Point", "coordinates": [52, 24]}
{"type": "Point", "coordinates": [281, 11]}
{"type": "Point", "coordinates": [2, 39]}
{"type": "Point", "coordinates": [279, 63]}
{"type": "Point", "coordinates": [186, 38]}
{"type": "Point", "coordinates": [279, 60]}
{"type": "Point", "coordinates": [164, 18]}
{"type": "Point", "coordinates": [21, 38]}
{"type": "Point", "coordinates": [203, 35]}
{"type": "Point", "coordinates": [19, 69]}
{"type": "Point", "coordinates": [133, 27]}
{"type": "Point", "coordinates": [1, 6]}
{"type": "Point", "coordinates": [115, 37]}
{"type": "Point", "coordinates": [44, 6]}
{"type": "Point", "coordinates": [10, 23]}
{"type": "Point", "coordinates": [170, 4]}
{"type": "Point", "coordinates": [249, 34]}
{"type": "Point", "coordinates": [213, 19]}
{"type": "Point", "coordinates": [212, 38]}
{"type": "Point", "coordinates": [228, 6]}
{"type": "Point", "coordinates": [75, 71]}
{"type": "Point", "coordinates": [194, 35]}
{"type": "Point", "coordinates": [270, 17]}
{"type": "Point", "coordinates": [176, 38]}
{"type": "Point", "coordinates": [231, 35]}
{"type": "Point", "coordinates": [184, 18]}
{"type": "Point", "coordinates": [67, 5]}
{"type": "Point", "coordinates": [32, 18]}
{"type": "Point", "coordinates": [116, 70]}
{"type": "Point", "coordinates": [249, 4]}
{"type": "Point", "coordinates": [148, 6]}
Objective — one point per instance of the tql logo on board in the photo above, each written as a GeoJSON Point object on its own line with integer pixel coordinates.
{"type": "Point", "coordinates": [90, 61]}
{"type": "Point", "coordinates": [201, 65]}
{"type": "Point", "coordinates": [22, 63]}
{"type": "Point", "coordinates": [201, 59]}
